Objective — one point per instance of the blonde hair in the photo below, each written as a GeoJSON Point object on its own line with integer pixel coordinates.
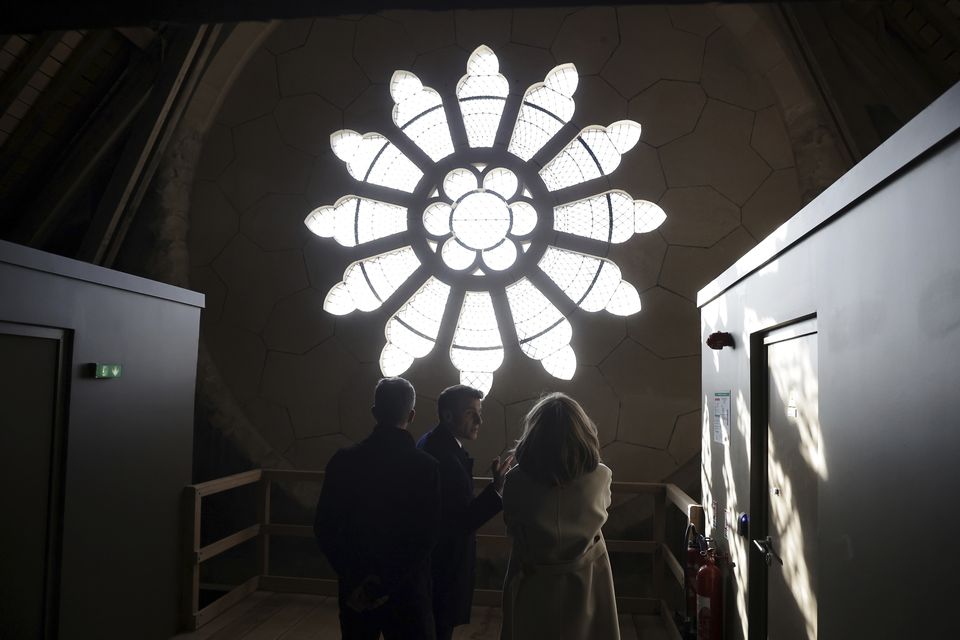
{"type": "Point", "coordinates": [559, 441]}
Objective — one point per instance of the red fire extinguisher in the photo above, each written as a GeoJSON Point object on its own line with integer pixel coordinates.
{"type": "Point", "coordinates": [710, 599]}
{"type": "Point", "coordinates": [696, 546]}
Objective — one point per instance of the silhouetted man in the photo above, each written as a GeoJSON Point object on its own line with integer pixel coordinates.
{"type": "Point", "coordinates": [453, 561]}
{"type": "Point", "coordinates": [377, 520]}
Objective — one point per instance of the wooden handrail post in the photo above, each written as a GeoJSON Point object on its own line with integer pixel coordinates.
{"type": "Point", "coordinates": [190, 591]}
{"type": "Point", "coordinates": [659, 535]}
{"type": "Point", "coordinates": [263, 518]}
{"type": "Point", "coordinates": [695, 515]}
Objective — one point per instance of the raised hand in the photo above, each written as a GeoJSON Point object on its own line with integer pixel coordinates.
{"type": "Point", "coordinates": [499, 468]}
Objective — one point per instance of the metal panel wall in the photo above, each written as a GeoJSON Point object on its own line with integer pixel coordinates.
{"type": "Point", "coordinates": [129, 440]}
{"type": "Point", "coordinates": [883, 278]}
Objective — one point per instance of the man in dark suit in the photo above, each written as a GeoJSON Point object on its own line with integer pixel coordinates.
{"type": "Point", "coordinates": [454, 557]}
{"type": "Point", "coordinates": [377, 520]}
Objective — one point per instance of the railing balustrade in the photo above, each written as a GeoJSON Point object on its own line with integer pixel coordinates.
{"type": "Point", "coordinates": [195, 616]}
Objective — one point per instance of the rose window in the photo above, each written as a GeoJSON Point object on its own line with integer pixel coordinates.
{"type": "Point", "coordinates": [479, 233]}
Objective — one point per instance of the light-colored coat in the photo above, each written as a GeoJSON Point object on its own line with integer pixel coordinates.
{"type": "Point", "coordinates": [559, 585]}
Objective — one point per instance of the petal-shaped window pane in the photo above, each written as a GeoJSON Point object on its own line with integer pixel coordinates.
{"type": "Point", "coordinates": [593, 283]}
{"type": "Point", "coordinates": [459, 182]}
{"type": "Point", "coordinates": [541, 328]}
{"type": "Point", "coordinates": [501, 181]}
{"type": "Point", "coordinates": [478, 380]}
{"type": "Point", "coordinates": [424, 311]}
{"type": "Point", "coordinates": [339, 302]}
{"type": "Point", "coordinates": [535, 126]}
{"type": "Point", "coordinates": [481, 118]}
{"type": "Point", "coordinates": [482, 94]}
{"type": "Point", "coordinates": [524, 218]}
{"type": "Point", "coordinates": [545, 109]}
{"type": "Point", "coordinates": [394, 361]}
{"type": "Point", "coordinates": [436, 219]}
{"type": "Point", "coordinates": [624, 134]}
{"type": "Point", "coordinates": [563, 79]}
{"type": "Point", "coordinates": [541, 345]}
{"type": "Point", "coordinates": [456, 256]}
{"type": "Point", "coordinates": [573, 272]}
{"type": "Point", "coordinates": [625, 300]}
{"type": "Point", "coordinates": [418, 112]}
{"type": "Point", "coordinates": [561, 364]}
{"type": "Point", "coordinates": [364, 297]}
{"type": "Point", "coordinates": [404, 86]}
{"type": "Point", "coordinates": [501, 256]}
{"type": "Point", "coordinates": [407, 340]}
{"type": "Point", "coordinates": [573, 165]}
{"type": "Point", "coordinates": [612, 217]}
{"type": "Point", "coordinates": [393, 169]}
{"type": "Point", "coordinates": [595, 152]}
{"type": "Point", "coordinates": [603, 287]}
{"type": "Point", "coordinates": [374, 159]}
{"type": "Point", "coordinates": [607, 217]}
{"type": "Point", "coordinates": [321, 221]}
{"type": "Point", "coordinates": [621, 209]}
{"type": "Point", "coordinates": [647, 216]}
{"type": "Point", "coordinates": [477, 346]}
{"type": "Point", "coordinates": [360, 220]}
{"type": "Point", "coordinates": [432, 134]}
{"type": "Point", "coordinates": [588, 218]}
{"type": "Point", "coordinates": [413, 329]}
{"type": "Point", "coordinates": [602, 150]}
{"type": "Point", "coordinates": [483, 62]}
{"type": "Point", "coordinates": [369, 282]}
{"type": "Point", "coordinates": [346, 145]}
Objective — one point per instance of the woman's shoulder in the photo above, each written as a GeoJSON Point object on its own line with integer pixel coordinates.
{"type": "Point", "coordinates": [603, 471]}
{"type": "Point", "coordinates": [598, 478]}
{"type": "Point", "coordinates": [518, 479]}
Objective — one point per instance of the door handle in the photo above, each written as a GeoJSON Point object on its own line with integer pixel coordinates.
{"type": "Point", "coordinates": [766, 548]}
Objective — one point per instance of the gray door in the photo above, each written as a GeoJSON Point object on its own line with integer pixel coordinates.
{"type": "Point", "coordinates": [31, 437]}
{"type": "Point", "coordinates": [795, 465]}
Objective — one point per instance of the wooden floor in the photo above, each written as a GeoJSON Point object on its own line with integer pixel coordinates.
{"type": "Point", "coordinates": [285, 616]}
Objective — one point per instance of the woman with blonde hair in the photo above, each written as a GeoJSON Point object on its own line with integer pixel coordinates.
{"type": "Point", "coordinates": [559, 585]}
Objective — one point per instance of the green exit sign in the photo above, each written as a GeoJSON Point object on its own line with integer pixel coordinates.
{"type": "Point", "coordinates": [102, 370]}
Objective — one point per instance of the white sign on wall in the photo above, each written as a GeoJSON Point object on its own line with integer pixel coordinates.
{"type": "Point", "coordinates": [721, 417]}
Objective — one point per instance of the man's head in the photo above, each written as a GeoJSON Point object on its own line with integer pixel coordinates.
{"type": "Point", "coordinates": [459, 410]}
{"type": "Point", "coordinates": [393, 402]}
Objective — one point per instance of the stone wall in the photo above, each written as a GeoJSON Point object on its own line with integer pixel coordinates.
{"type": "Point", "coordinates": [728, 120]}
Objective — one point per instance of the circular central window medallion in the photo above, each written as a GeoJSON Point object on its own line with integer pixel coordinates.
{"type": "Point", "coordinates": [481, 220]}
{"type": "Point", "coordinates": [494, 233]}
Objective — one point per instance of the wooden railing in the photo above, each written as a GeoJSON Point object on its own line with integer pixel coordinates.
{"type": "Point", "coordinates": [195, 616]}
